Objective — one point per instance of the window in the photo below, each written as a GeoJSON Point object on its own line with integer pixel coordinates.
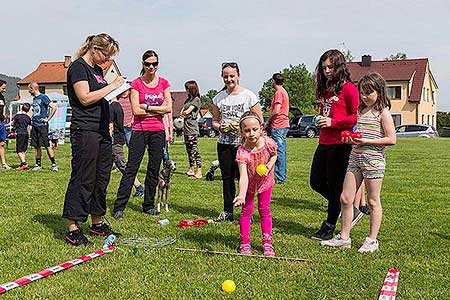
{"type": "Point", "coordinates": [432, 120]}
{"type": "Point", "coordinates": [65, 89]}
{"type": "Point", "coordinates": [401, 129]}
{"type": "Point", "coordinates": [397, 119]}
{"type": "Point", "coordinates": [428, 95]}
{"type": "Point", "coordinates": [42, 89]}
{"type": "Point", "coordinates": [394, 92]}
{"type": "Point", "coordinates": [428, 120]}
{"type": "Point", "coordinates": [423, 119]}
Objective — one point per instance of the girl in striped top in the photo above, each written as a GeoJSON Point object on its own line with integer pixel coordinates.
{"type": "Point", "coordinates": [367, 160]}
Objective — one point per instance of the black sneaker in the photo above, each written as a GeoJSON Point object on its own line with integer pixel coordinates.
{"type": "Point", "coordinates": [224, 216]}
{"type": "Point", "coordinates": [364, 209]}
{"type": "Point", "coordinates": [118, 215]}
{"type": "Point", "coordinates": [357, 216]}
{"type": "Point", "coordinates": [102, 229]}
{"type": "Point", "coordinates": [325, 232]}
{"type": "Point", "coordinates": [152, 212]}
{"type": "Point", "coordinates": [77, 238]}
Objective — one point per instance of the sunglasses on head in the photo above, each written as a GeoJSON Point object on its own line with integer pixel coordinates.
{"type": "Point", "coordinates": [148, 64]}
{"type": "Point", "coordinates": [229, 64]}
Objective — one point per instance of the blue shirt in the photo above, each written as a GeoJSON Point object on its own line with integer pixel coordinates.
{"type": "Point", "coordinates": [40, 109]}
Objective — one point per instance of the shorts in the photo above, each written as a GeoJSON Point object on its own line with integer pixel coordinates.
{"type": "Point", "coordinates": [22, 143]}
{"type": "Point", "coordinates": [39, 137]}
{"type": "Point", "coordinates": [370, 164]}
{"type": "Point", "coordinates": [2, 132]}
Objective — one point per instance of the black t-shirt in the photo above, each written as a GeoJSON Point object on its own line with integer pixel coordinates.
{"type": "Point", "coordinates": [116, 117]}
{"type": "Point", "coordinates": [21, 123]}
{"type": "Point", "coordinates": [94, 117]}
{"type": "Point", "coordinates": [2, 104]}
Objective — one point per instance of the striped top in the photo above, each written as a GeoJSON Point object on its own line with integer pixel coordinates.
{"type": "Point", "coordinates": [369, 125]}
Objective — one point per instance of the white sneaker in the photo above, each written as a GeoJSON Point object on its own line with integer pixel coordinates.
{"type": "Point", "coordinates": [6, 167]}
{"type": "Point", "coordinates": [369, 246]}
{"type": "Point", "coordinates": [54, 168]}
{"type": "Point", "coordinates": [336, 241]}
{"type": "Point", "coordinates": [36, 168]}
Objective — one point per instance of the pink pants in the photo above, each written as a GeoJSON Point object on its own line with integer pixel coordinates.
{"type": "Point", "coordinates": [264, 214]}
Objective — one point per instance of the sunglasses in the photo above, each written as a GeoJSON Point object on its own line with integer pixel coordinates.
{"type": "Point", "coordinates": [148, 64]}
{"type": "Point", "coordinates": [229, 64]}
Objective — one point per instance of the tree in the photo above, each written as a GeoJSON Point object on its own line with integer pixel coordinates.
{"type": "Point", "coordinates": [398, 56]}
{"type": "Point", "coordinates": [11, 89]}
{"type": "Point", "coordinates": [206, 100]}
{"type": "Point", "coordinates": [299, 84]}
{"type": "Point", "coordinates": [348, 55]}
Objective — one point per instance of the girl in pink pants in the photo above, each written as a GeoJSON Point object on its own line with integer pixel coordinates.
{"type": "Point", "coordinates": [254, 151]}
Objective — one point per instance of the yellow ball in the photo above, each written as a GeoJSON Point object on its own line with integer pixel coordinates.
{"type": "Point", "coordinates": [261, 169]}
{"type": "Point", "coordinates": [228, 286]}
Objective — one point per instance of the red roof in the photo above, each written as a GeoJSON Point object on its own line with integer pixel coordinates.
{"type": "Point", "coordinates": [178, 101]}
{"type": "Point", "coordinates": [395, 70]}
{"type": "Point", "coordinates": [54, 72]}
{"type": "Point", "coordinates": [203, 111]}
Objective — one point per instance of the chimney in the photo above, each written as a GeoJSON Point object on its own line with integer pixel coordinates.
{"type": "Point", "coordinates": [67, 61]}
{"type": "Point", "coordinates": [366, 60]}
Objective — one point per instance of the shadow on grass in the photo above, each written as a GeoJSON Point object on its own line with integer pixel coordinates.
{"type": "Point", "coordinates": [206, 240]}
{"type": "Point", "coordinates": [442, 236]}
{"type": "Point", "coordinates": [290, 227]}
{"type": "Point", "coordinates": [199, 211]}
{"type": "Point", "coordinates": [53, 221]}
{"type": "Point", "coordinates": [298, 203]}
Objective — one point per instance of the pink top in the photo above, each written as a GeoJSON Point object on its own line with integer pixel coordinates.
{"type": "Point", "coordinates": [151, 96]}
{"type": "Point", "coordinates": [281, 119]}
{"type": "Point", "coordinates": [252, 159]}
{"type": "Point", "coordinates": [167, 123]}
{"type": "Point", "coordinates": [127, 113]}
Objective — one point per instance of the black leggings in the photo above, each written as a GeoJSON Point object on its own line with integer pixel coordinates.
{"type": "Point", "coordinates": [229, 169]}
{"type": "Point", "coordinates": [191, 142]}
{"type": "Point", "coordinates": [154, 141]}
{"type": "Point", "coordinates": [328, 170]}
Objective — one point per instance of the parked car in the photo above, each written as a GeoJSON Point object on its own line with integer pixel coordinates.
{"type": "Point", "coordinates": [303, 125]}
{"type": "Point", "coordinates": [205, 127]}
{"type": "Point", "coordinates": [416, 130]}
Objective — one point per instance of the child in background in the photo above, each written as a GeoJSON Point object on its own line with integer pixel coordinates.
{"type": "Point", "coordinates": [22, 123]}
{"type": "Point", "coordinates": [255, 149]}
{"type": "Point", "coordinates": [168, 129]}
{"type": "Point", "coordinates": [367, 160]}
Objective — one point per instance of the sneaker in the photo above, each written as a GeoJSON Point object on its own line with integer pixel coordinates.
{"type": "Point", "coordinates": [325, 232]}
{"type": "Point", "coordinates": [36, 168]}
{"type": "Point", "coordinates": [54, 168]}
{"type": "Point", "coordinates": [22, 167]}
{"type": "Point", "coordinates": [139, 191]}
{"type": "Point", "coordinates": [118, 215]}
{"type": "Point", "coordinates": [6, 167]}
{"type": "Point", "coordinates": [245, 249]}
{"type": "Point", "coordinates": [268, 250]}
{"type": "Point", "coordinates": [102, 229]}
{"type": "Point", "coordinates": [364, 209]}
{"type": "Point", "coordinates": [357, 216]}
{"type": "Point", "coordinates": [224, 216]}
{"type": "Point", "coordinates": [337, 241]}
{"type": "Point", "coordinates": [369, 246]}
{"type": "Point", "coordinates": [77, 238]}
{"type": "Point", "coordinates": [152, 212]}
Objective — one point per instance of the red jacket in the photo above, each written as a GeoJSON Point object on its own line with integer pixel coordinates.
{"type": "Point", "coordinates": [342, 110]}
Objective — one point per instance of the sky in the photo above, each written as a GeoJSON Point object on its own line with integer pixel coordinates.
{"type": "Point", "coordinates": [193, 38]}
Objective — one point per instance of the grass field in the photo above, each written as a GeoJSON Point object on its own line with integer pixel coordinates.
{"type": "Point", "coordinates": [414, 237]}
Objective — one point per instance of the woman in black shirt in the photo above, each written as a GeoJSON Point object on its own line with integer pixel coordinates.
{"type": "Point", "coordinates": [90, 139]}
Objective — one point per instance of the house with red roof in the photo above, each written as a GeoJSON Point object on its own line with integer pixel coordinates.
{"type": "Point", "coordinates": [410, 86]}
{"type": "Point", "coordinates": [52, 76]}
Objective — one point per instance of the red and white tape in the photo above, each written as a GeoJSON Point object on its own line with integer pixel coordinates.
{"type": "Point", "coordinates": [46, 272]}
{"type": "Point", "coordinates": [389, 288]}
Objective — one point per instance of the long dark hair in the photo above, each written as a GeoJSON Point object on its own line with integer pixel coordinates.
{"type": "Point", "coordinates": [374, 82]}
{"type": "Point", "coordinates": [340, 75]}
{"type": "Point", "coordinates": [147, 54]}
{"type": "Point", "coordinates": [191, 87]}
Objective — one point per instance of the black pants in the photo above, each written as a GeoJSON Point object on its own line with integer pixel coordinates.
{"type": "Point", "coordinates": [154, 141]}
{"type": "Point", "coordinates": [91, 169]}
{"type": "Point", "coordinates": [328, 170]}
{"type": "Point", "coordinates": [230, 171]}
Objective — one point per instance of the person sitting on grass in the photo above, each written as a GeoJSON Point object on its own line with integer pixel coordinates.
{"type": "Point", "coordinates": [21, 123]}
{"type": "Point", "coordinates": [255, 150]}
{"type": "Point", "coordinates": [367, 160]}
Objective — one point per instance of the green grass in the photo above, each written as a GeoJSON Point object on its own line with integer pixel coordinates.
{"type": "Point", "coordinates": [414, 237]}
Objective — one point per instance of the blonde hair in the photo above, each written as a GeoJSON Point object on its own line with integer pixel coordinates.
{"type": "Point", "coordinates": [103, 41]}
